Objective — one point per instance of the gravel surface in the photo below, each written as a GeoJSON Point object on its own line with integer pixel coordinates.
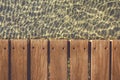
{"type": "Point", "coordinates": [68, 19]}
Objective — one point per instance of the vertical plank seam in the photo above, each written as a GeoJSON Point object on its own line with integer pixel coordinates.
{"type": "Point", "coordinates": [89, 60]}
{"type": "Point", "coordinates": [9, 59]}
{"type": "Point", "coordinates": [110, 60]}
{"type": "Point", "coordinates": [48, 61]}
{"type": "Point", "coordinates": [28, 60]}
{"type": "Point", "coordinates": [68, 59]}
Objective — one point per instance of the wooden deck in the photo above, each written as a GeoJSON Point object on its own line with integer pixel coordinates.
{"type": "Point", "coordinates": [39, 59]}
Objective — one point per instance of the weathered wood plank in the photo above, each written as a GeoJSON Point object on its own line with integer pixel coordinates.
{"type": "Point", "coordinates": [100, 57]}
{"type": "Point", "coordinates": [18, 59]}
{"type": "Point", "coordinates": [115, 60]}
{"type": "Point", "coordinates": [58, 59]}
{"type": "Point", "coordinates": [39, 59]}
{"type": "Point", "coordinates": [3, 59]}
{"type": "Point", "coordinates": [78, 60]}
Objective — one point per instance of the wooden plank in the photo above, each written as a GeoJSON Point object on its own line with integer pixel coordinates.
{"type": "Point", "coordinates": [39, 59]}
{"type": "Point", "coordinates": [18, 59]}
{"type": "Point", "coordinates": [78, 60]}
{"type": "Point", "coordinates": [3, 59]}
{"type": "Point", "coordinates": [115, 60]}
{"type": "Point", "coordinates": [100, 57]}
{"type": "Point", "coordinates": [58, 59]}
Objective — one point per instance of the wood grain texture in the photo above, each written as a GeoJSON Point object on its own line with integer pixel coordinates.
{"type": "Point", "coordinates": [100, 57]}
{"type": "Point", "coordinates": [58, 59]}
{"type": "Point", "coordinates": [18, 59]}
{"type": "Point", "coordinates": [39, 59]}
{"type": "Point", "coordinates": [78, 60]}
{"type": "Point", "coordinates": [3, 59]}
{"type": "Point", "coordinates": [115, 60]}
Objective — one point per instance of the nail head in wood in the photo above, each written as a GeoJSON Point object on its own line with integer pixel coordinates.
{"type": "Point", "coordinates": [33, 47]}
{"type": "Point", "coordinates": [52, 48]}
{"type": "Point", "coordinates": [73, 48]}
{"type": "Point", "coordinates": [4, 48]}
{"type": "Point", "coordinates": [23, 47]}
{"type": "Point", "coordinates": [84, 48]}
{"type": "Point", "coordinates": [13, 48]}
{"type": "Point", "coordinates": [105, 47]}
{"type": "Point", "coordinates": [43, 48]}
